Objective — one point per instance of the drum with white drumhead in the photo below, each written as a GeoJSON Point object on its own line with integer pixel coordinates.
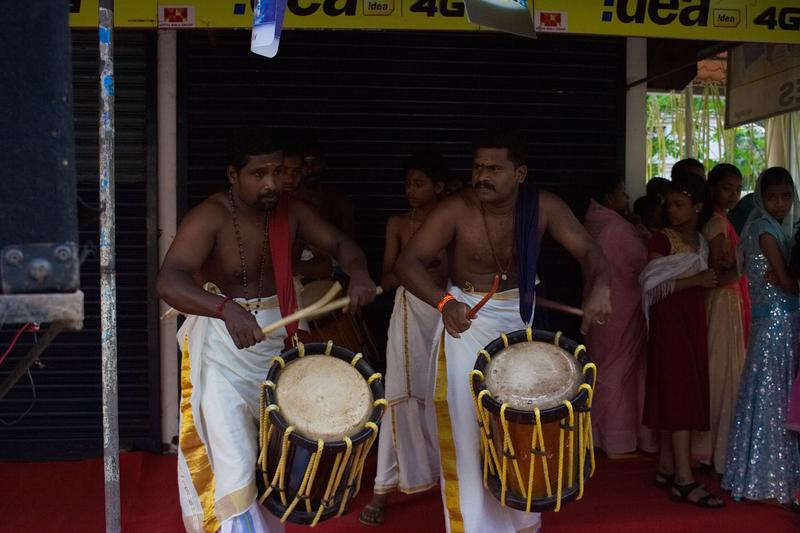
{"type": "Point", "coordinates": [321, 406]}
{"type": "Point", "coordinates": [533, 394]}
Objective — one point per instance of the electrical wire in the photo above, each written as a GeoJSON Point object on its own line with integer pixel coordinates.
{"type": "Point", "coordinates": [30, 407]}
{"type": "Point", "coordinates": [30, 326]}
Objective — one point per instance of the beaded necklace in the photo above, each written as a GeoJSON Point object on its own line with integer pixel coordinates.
{"type": "Point", "coordinates": [237, 231]}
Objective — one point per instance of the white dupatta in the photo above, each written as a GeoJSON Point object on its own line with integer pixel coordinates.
{"type": "Point", "coordinates": [658, 277]}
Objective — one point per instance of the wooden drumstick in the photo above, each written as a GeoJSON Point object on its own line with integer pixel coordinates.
{"type": "Point", "coordinates": [320, 307]}
{"type": "Point", "coordinates": [556, 306]}
{"type": "Point", "coordinates": [474, 311]}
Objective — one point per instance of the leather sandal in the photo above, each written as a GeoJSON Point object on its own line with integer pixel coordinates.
{"type": "Point", "coordinates": [682, 493]}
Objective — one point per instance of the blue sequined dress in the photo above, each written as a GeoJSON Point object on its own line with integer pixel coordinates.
{"type": "Point", "coordinates": [763, 460]}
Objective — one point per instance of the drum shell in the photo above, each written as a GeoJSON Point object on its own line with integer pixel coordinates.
{"type": "Point", "coordinates": [297, 461]}
{"type": "Point", "coordinates": [521, 435]}
{"type": "Point", "coordinates": [521, 425]}
{"type": "Point", "coordinates": [301, 447]}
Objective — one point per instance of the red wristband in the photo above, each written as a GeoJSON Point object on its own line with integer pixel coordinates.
{"type": "Point", "coordinates": [221, 304]}
{"type": "Point", "coordinates": [446, 298]}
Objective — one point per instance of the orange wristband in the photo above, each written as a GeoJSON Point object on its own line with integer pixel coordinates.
{"type": "Point", "coordinates": [447, 297]}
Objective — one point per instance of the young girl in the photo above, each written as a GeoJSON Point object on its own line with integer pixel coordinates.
{"type": "Point", "coordinates": [408, 454]}
{"type": "Point", "coordinates": [728, 314]}
{"type": "Point", "coordinates": [673, 286]}
{"type": "Point", "coordinates": [763, 460]}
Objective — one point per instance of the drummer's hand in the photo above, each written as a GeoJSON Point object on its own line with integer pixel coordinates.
{"type": "Point", "coordinates": [242, 325]}
{"type": "Point", "coordinates": [596, 307]}
{"type": "Point", "coordinates": [454, 316]}
{"type": "Point", "coordinates": [361, 291]}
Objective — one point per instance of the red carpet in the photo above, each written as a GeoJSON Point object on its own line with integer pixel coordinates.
{"type": "Point", "coordinates": [67, 497]}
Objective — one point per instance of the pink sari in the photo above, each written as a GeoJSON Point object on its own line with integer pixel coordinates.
{"type": "Point", "coordinates": [618, 346]}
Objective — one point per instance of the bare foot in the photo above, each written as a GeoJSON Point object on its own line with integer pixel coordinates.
{"type": "Point", "coordinates": [371, 515]}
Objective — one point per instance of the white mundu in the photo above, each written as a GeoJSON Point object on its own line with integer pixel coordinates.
{"type": "Point", "coordinates": [220, 395]}
{"type": "Point", "coordinates": [469, 507]}
{"type": "Point", "coordinates": [408, 455]}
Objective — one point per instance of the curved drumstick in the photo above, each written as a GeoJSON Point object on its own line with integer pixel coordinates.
{"type": "Point", "coordinates": [556, 306]}
{"type": "Point", "coordinates": [474, 311]}
{"type": "Point", "coordinates": [320, 307]}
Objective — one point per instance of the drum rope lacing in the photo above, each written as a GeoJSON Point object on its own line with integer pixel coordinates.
{"type": "Point", "coordinates": [341, 461]}
{"type": "Point", "coordinates": [491, 461]}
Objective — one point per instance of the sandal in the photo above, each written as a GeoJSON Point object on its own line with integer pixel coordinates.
{"type": "Point", "coordinates": [664, 480]}
{"type": "Point", "coordinates": [682, 493]}
{"type": "Point", "coordinates": [372, 515]}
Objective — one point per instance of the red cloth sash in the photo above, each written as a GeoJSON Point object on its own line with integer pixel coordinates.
{"type": "Point", "coordinates": [280, 244]}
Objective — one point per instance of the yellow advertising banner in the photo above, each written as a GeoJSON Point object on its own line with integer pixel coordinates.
{"type": "Point", "coordinates": [305, 14]}
{"type": "Point", "coordinates": [768, 21]}
{"type": "Point", "coordinates": [127, 13]}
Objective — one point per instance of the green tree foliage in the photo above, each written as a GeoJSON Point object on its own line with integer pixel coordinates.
{"type": "Point", "coordinates": [744, 146]}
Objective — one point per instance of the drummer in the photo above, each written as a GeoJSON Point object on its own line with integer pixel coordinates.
{"type": "Point", "coordinates": [491, 229]}
{"type": "Point", "coordinates": [408, 457]}
{"type": "Point", "coordinates": [239, 240]}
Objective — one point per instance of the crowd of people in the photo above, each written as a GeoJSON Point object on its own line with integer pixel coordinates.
{"type": "Point", "coordinates": [691, 320]}
{"type": "Point", "coordinates": [701, 350]}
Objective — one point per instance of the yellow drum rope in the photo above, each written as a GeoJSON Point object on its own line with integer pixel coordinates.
{"type": "Point", "coordinates": [304, 491]}
{"type": "Point", "coordinates": [508, 453]}
{"type": "Point", "coordinates": [358, 464]}
{"type": "Point", "coordinates": [482, 431]}
{"type": "Point", "coordinates": [374, 427]}
{"type": "Point", "coordinates": [571, 426]}
{"type": "Point", "coordinates": [339, 467]}
{"type": "Point", "coordinates": [487, 427]}
{"type": "Point", "coordinates": [568, 405]}
{"type": "Point", "coordinates": [543, 451]}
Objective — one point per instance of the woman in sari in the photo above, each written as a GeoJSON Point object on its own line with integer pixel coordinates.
{"type": "Point", "coordinates": [618, 346]}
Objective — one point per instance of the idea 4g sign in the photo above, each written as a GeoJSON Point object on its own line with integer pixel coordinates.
{"type": "Point", "coordinates": [768, 21]}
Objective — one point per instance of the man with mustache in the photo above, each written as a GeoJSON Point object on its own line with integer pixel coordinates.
{"type": "Point", "coordinates": [238, 243]}
{"type": "Point", "coordinates": [491, 229]}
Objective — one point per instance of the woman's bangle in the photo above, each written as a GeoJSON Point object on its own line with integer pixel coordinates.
{"type": "Point", "coordinates": [447, 297]}
{"type": "Point", "coordinates": [221, 304]}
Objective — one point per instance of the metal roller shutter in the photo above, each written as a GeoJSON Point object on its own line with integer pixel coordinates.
{"type": "Point", "coordinates": [66, 419]}
{"type": "Point", "coordinates": [375, 97]}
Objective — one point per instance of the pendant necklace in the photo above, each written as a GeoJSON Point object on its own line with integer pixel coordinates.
{"type": "Point", "coordinates": [238, 233]}
{"type": "Point", "coordinates": [503, 271]}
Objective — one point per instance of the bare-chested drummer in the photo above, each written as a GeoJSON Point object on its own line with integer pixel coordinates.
{"type": "Point", "coordinates": [239, 240]}
{"type": "Point", "coordinates": [491, 229]}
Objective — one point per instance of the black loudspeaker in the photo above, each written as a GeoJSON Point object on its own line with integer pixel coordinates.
{"type": "Point", "coordinates": [38, 204]}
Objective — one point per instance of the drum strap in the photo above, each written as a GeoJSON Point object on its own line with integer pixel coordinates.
{"type": "Point", "coordinates": [280, 244]}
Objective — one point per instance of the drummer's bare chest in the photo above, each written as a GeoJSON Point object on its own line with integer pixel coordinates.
{"type": "Point", "coordinates": [239, 258]}
{"type": "Point", "coordinates": [483, 245]}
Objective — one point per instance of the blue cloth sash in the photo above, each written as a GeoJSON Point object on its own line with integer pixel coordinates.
{"type": "Point", "coordinates": [527, 244]}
